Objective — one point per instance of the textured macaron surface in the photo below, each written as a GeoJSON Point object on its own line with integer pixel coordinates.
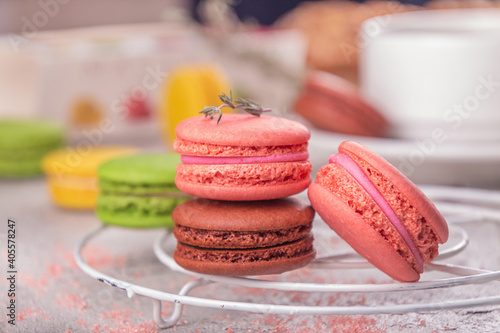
{"type": "Point", "coordinates": [242, 130]}
{"type": "Point", "coordinates": [242, 157]}
{"type": "Point", "coordinates": [234, 224]}
{"type": "Point", "coordinates": [400, 194]}
{"type": "Point", "coordinates": [370, 161]}
{"type": "Point", "coordinates": [245, 174]}
{"type": "Point", "coordinates": [240, 262]}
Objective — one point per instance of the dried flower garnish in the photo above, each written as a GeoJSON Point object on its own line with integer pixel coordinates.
{"type": "Point", "coordinates": [247, 105]}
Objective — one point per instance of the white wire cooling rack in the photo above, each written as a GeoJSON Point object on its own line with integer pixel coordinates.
{"type": "Point", "coordinates": [460, 205]}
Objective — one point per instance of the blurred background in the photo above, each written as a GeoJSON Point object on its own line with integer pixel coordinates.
{"type": "Point", "coordinates": [140, 68]}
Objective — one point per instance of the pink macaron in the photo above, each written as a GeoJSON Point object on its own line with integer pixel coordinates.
{"type": "Point", "coordinates": [331, 103]}
{"type": "Point", "coordinates": [242, 157]}
{"type": "Point", "coordinates": [378, 211]}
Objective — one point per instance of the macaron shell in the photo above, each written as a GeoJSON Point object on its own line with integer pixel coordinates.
{"type": "Point", "coordinates": [243, 216]}
{"type": "Point", "coordinates": [200, 149]}
{"type": "Point", "coordinates": [332, 103]}
{"type": "Point", "coordinates": [246, 193]}
{"type": "Point", "coordinates": [188, 90]}
{"type": "Point", "coordinates": [366, 241]}
{"type": "Point", "coordinates": [263, 266]}
{"type": "Point", "coordinates": [324, 118]}
{"type": "Point", "coordinates": [20, 168]}
{"type": "Point", "coordinates": [423, 205]}
{"type": "Point", "coordinates": [73, 192]}
{"type": "Point", "coordinates": [243, 130]}
{"type": "Point", "coordinates": [26, 134]}
{"type": "Point", "coordinates": [137, 211]}
{"type": "Point", "coordinates": [141, 169]}
{"type": "Point", "coordinates": [262, 181]}
{"type": "Point", "coordinates": [130, 221]}
{"type": "Point", "coordinates": [244, 175]}
{"type": "Point", "coordinates": [71, 162]}
{"type": "Point", "coordinates": [23, 144]}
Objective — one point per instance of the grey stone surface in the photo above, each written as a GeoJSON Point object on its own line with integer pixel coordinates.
{"type": "Point", "coordinates": [54, 295]}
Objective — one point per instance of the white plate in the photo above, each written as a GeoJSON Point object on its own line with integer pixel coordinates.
{"type": "Point", "coordinates": [423, 161]}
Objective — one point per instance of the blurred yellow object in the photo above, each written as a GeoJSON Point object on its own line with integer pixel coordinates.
{"type": "Point", "coordinates": [72, 174]}
{"type": "Point", "coordinates": [188, 90]}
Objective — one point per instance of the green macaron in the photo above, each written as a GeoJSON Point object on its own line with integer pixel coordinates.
{"type": "Point", "coordinates": [139, 191]}
{"type": "Point", "coordinates": [23, 144]}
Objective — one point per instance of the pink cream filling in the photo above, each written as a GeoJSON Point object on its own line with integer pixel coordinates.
{"type": "Point", "coordinates": [357, 173]}
{"type": "Point", "coordinates": [295, 157]}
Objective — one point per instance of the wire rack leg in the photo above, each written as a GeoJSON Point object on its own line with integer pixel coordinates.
{"type": "Point", "coordinates": [177, 312]}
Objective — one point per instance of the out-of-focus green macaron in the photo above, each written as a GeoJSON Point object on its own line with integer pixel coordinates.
{"type": "Point", "coordinates": [23, 144]}
{"type": "Point", "coordinates": [139, 191]}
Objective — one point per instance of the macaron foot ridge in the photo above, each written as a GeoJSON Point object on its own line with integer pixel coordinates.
{"type": "Point", "coordinates": [243, 193]}
{"type": "Point", "coordinates": [238, 262]}
{"type": "Point", "coordinates": [239, 239]}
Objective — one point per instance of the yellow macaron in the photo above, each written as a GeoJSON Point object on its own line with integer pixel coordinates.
{"type": "Point", "coordinates": [187, 91]}
{"type": "Point", "coordinates": [72, 174]}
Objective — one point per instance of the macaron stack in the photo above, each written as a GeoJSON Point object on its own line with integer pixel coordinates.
{"type": "Point", "coordinates": [234, 163]}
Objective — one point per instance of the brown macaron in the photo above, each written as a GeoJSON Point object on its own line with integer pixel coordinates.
{"type": "Point", "coordinates": [237, 238]}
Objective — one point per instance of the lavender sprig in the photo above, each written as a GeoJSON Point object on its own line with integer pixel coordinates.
{"type": "Point", "coordinates": [252, 107]}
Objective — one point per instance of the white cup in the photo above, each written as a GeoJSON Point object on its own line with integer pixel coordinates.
{"type": "Point", "coordinates": [435, 71]}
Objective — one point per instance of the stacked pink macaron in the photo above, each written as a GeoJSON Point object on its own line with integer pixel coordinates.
{"type": "Point", "coordinates": [242, 157]}
{"type": "Point", "coordinates": [246, 166]}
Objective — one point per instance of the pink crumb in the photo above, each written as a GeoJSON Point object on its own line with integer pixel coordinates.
{"type": "Point", "coordinates": [271, 320]}
{"type": "Point", "coordinates": [318, 324]}
{"type": "Point", "coordinates": [357, 324]}
{"type": "Point", "coordinates": [118, 316]}
{"type": "Point", "coordinates": [96, 328]}
{"type": "Point", "coordinates": [55, 270]}
{"type": "Point", "coordinates": [71, 301]}
{"type": "Point", "coordinates": [29, 281]}
{"type": "Point", "coordinates": [82, 323]}
{"type": "Point", "coordinates": [222, 318]}
{"type": "Point", "coordinates": [147, 327]}
{"type": "Point", "coordinates": [25, 314]}
{"type": "Point", "coordinates": [281, 328]}
{"type": "Point", "coordinates": [96, 257]}
{"type": "Point", "coordinates": [122, 321]}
